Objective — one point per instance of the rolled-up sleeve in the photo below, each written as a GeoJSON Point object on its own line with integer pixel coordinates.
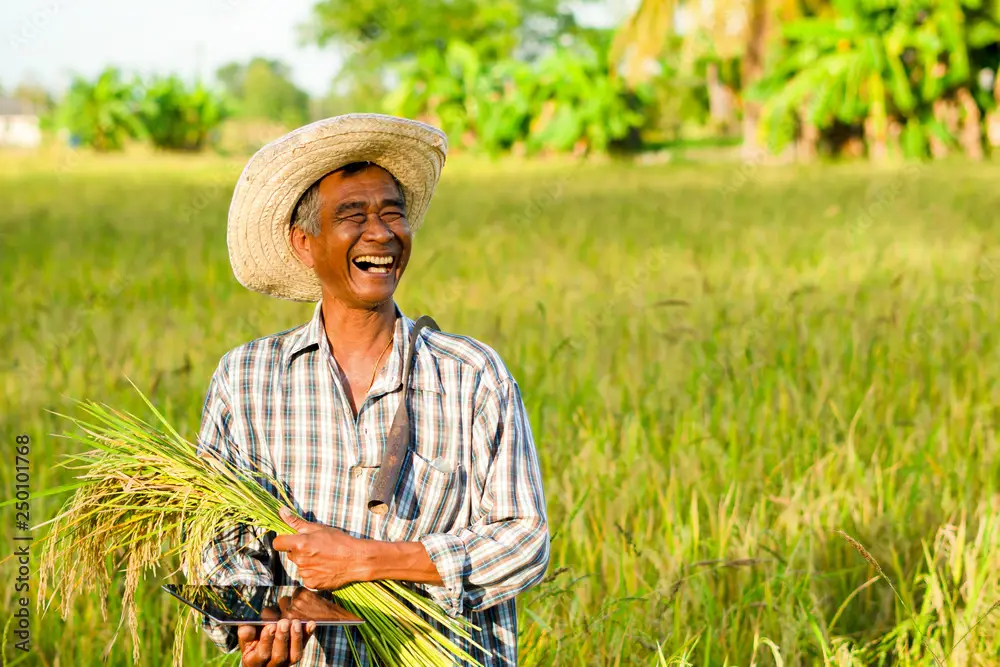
{"type": "Point", "coordinates": [505, 550]}
{"type": "Point", "coordinates": [237, 556]}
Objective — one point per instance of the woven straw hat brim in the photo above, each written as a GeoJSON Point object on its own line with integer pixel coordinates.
{"type": "Point", "coordinates": [278, 175]}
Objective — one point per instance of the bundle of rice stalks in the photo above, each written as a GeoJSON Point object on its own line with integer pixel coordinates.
{"type": "Point", "coordinates": [144, 496]}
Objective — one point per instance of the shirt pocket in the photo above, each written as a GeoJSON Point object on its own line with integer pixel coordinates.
{"type": "Point", "coordinates": [427, 500]}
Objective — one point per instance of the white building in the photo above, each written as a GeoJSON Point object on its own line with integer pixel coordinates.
{"type": "Point", "coordinates": [19, 125]}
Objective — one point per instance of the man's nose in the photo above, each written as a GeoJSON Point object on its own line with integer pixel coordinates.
{"type": "Point", "coordinates": [377, 230]}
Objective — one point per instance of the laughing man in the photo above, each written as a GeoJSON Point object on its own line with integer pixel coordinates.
{"type": "Point", "coordinates": [327, 213]}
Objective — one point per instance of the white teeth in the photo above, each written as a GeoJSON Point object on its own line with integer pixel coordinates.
{"type": "Point", "coordinates": [372, 259]}
{"type": "Point", "coordinates": [376, 263]}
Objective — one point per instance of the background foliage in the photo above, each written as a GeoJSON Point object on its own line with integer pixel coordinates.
{"type": "Point", "coordinates": [794, 79]}
{"type": "Point", "coordinates": [177, 118]}
{"type": "Point", "coordinates": [263, 90]}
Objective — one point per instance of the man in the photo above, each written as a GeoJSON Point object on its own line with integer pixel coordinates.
{"type": "Point", "coordinates": [327, 213]}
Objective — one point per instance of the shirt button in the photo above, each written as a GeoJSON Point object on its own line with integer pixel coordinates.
{"type": "Point", "coordinates": [357, 472]}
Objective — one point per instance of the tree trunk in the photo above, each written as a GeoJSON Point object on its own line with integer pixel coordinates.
{"type": "Point", "coordinates": [877, 123]}
{"type": "Point", "coordinates": [971, 133]}
{"type": "Point", "coordinates": [853, 147]}
{"type": "Point", "coordinates": [993, 128]}
{"type": "Point", "coordinates": [808, 138]}
{"type": "Point", "coordinates": [993, 117]}
{"type": "Point", "coordinates": [753, 67]}
{"type": "Point", "coordinates": [938, 147]}
{"type": "Point", "coordinates": [720, 99]}
{"type": "Point", "coordinates": [946, 112]}
{"type": "Point", "coordinates": [895, 134]}
{"type": "Point", "coordinates": [875, 137]}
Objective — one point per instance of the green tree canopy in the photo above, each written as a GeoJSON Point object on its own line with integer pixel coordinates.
{"type": "Point", "coordinates": [179, 118]}
{"type": "Point", "coordinates": [263, 89]}
{"type": "Point", "coordinates": [379, 32]}
{"type": "Point", "coordinates": [871, 65]}
{"type": "Point", "coordinates": [564, 101]}
{"type": "Point", "coordinates": [103, 113]}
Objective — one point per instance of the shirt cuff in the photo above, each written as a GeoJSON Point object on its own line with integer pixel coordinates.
{"type": "Point", "coordinates": [449, 556]}
{"type": "Point", "coordinates": [223, 636]}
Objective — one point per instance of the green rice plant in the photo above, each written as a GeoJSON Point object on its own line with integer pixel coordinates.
{"type": "Point", "coordinates": [144, 496]}
{"type": "Point", "coordinates": [695, 344]}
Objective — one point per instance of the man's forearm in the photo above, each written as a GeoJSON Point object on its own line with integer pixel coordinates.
{"type": "Point", "coordinates": [399, 561]}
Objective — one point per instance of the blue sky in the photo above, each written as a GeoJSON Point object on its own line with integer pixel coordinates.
{"type": "Point", "coordinates": [46, 41]}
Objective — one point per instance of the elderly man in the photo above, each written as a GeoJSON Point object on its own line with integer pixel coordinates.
{"type": "Point", "coordinates": [327, 213]}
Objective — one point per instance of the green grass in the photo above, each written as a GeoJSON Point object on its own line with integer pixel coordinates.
{"type": "Point", "coordinates": [723, 368]}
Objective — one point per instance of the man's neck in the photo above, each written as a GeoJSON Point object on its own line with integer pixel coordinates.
{"type": "Point", "coordinates": [357, 332]}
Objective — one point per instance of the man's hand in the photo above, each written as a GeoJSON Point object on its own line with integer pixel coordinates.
{"type": "Point", "coordinates": [275, 645]}
{"type": "Point", "coordinates": [304, 604]}
{"type": "Point", "coordinates": [326, 558]}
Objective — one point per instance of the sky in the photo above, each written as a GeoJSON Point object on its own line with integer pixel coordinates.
{"type": "Point", "coordinates": [47, 41]}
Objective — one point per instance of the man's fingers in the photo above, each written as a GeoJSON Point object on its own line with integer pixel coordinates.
{"type": "Point", "coordinates": [295, 521]}
{"type": "Point", "coordinates": [266, 643]}
{"type": "Point", "coordinates": [246, 634]}
{"type": "Point", "coordinates": [297, 643]}
{"type": "Point", "coordinates": [285, 542]}
{"type": "Point", "coordinates": [279, 649]}
{"type": "Point", "coordinates": [310, 629]}
{"type": "Point", "coordinates": [285, 605]}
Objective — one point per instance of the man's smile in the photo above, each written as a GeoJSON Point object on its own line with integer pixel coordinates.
{"type": "Point", "coordinates": [375, 264]}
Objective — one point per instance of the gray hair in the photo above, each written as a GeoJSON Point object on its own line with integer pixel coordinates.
{"type": "Point", "coordinates": [306, 213]}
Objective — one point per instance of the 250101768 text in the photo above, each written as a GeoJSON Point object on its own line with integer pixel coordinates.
{"type": "Point", "coordinates": [22, 541]}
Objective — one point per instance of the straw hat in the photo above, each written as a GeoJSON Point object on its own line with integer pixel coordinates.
{"type": "Point", "coordinates": [279, 174]}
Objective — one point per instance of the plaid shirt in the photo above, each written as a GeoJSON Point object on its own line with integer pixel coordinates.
{"type": "Point", "coordinates": [470, 489]}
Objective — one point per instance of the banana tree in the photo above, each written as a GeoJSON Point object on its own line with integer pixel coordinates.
{"type": "Point", "coordinates": [580, 107]}
{"type": "Point", "coordinates": [506, 101]}
{"type": "Point", "coordinates": [641, 38]}
{"type": "Point", "coordinates": [562, 102]}
{"type": "Point", "coordinates": [965, 35]}
{"type": "Point", "coordinates": [176, 118]}
{"type": "Point", "coordinates": [943, 69]}
{"type": "Point", "coordinates": [102, 114]}
{"type": "Point", "coordinates": [882, 65]}
{"type": "Point", "coordinates": [715, 34]}
{"type": "Point", "coordinates": [848, 68]}
{"type": "Point", "coordinates": [436, 85]}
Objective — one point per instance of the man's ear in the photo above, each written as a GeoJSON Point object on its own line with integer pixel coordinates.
{"type": "Point", "coordinates": [300, 246]}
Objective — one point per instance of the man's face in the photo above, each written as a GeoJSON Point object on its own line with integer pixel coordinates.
{"type": "Point", "coordinates": [364, 241]}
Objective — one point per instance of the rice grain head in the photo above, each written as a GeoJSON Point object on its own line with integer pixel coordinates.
{"type": "Point", "coordinates": [145, 496]}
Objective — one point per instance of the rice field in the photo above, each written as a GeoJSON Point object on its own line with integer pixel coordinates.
{"type": "Point", "coordinates": [724, 367]}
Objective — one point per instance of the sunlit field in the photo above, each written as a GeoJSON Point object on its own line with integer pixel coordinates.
{"type": "Point", "coordinates": [724, 368]}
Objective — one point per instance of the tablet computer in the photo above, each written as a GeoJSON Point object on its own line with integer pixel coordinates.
{"type": "Point", "coordinates": [261, 605]}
